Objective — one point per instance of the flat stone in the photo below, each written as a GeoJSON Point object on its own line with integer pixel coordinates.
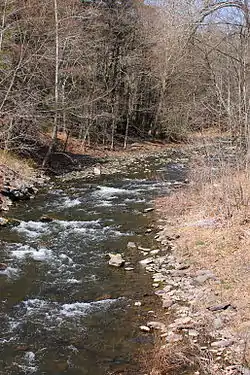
{"type": "Point", "coordinates": [156, 285]}
{"type": "Point", "coordinates": [149, 209]}
{"type": "Point", "coordinates": [182, 323]}
{"type": "Point", "coordinates": [144, 328]}
{"type": "Point", "coordinates": [131, 245]}
{"type": "Point", "coordinates": [145, 262]}
{"type": "Point", "coordinates": [157, 325]}
{"type": "Point", "coordinates": [145, 249]}
{"type": "Point", "coordinates": [116, 260]}
{"type": "Point", "coordinates": [182, 267]}
{"type": "Point", "coordinates": [137, 303]}
{"type": "Point", "coordinates": [218, 323]}
{"type": "Point", "coordinates": [3, 266]}
{"type": "Point", "coordinates": [154, 252]}
{"type": "Point", "coordinates": [203, 275]}
{"type": "Point", "coordinates": [237, 369]}
{"type": "Point", "coordinates": [193, 333]}
{"type": "Point", "coordinates": [223, 306]}
{"type": "Point", "coordinates": [129, 268]}
{"type": "Point", "coordinates": [158, 277]}
{"type": "Point", "coordinates": [222, 343]}
{"type": "Point", "coordinates": [167, 303]}
{"type": "Point", "coordinates": [46, 219]}
{"type": "Point", "coordinates": [202, 279]}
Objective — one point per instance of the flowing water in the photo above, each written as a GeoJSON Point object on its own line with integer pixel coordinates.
{"type": "Point", "coordinates": [63, 310]}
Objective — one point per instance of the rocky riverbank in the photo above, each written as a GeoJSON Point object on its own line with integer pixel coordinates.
{"type": "Point", "coordinates": [201, 272]}
{"type": "Point", "coordinates": [195, 329]}
{"type": "Point", "coordinates": [14, 186]}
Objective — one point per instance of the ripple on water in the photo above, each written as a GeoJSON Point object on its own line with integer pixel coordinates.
{"type": "Point", "coordinates": [49, 316]}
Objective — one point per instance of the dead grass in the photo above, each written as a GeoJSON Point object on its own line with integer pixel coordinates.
{"type": "Point", "coordinates": [23, 167]}
{"type": "Point", "coordinates": [212, 217]}
{"type": "Point", "coordinates": [180, 358]}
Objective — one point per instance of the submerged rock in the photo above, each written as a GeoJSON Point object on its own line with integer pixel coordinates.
{"type": "Point", "coordinates": [116, 260]}
{"type": "Point", "coordinates": [46, 219]}
{"type": "Point", "coordinates": [3, 266]}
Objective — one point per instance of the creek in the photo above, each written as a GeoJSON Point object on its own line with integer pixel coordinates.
{"type": "Point", "coordinates": [63, 309]}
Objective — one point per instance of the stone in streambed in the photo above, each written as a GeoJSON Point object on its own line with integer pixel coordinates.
{"type": "Point", "coordinates": [144, 249]}
{"type": "Point", "coordinates": [116, 260]}
{"type": "Point", "coordinates": [129, 268]}
{"type": "Point", "coordinates": [3, 266]}
{"type": "Point", "coordinates": [146, 261]}
{"type": "Point", "coordinates": [46, 219]}
{"type": "Point", "coordinates": [144, 328]}
{"type": "Point", "coordinates": [203, 275]}
{"type": "Point", "coordinates": [157, 325]}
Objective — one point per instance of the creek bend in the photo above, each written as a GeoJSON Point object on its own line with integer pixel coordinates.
{"type": "Point", "coordinates": [63, 310]}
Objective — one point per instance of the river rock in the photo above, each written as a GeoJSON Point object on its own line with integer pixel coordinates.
{"type": "Point", "coordinates": [182, 323]}
{"type": "Point", "coordinates": [131, 245]}
{"type": "Point", "coordinates": [144, 328]}
{"type": "Point", "coordinates": [150, 209]}
{"type": "Point", "coordinates": [218, 323]}
{"type": "Point", "coordinates": [203, 275]}
{"type": "Point", "coordinates": [116, 260]}
{"type": "Point", "coordinates": [3, 266]}
{"type": "Point", "coordinates": [237, 369]}
{"type": "Point", "coordinates": [155, 285]}
{"type": "Point", "coordinates": [223, 306]}
{"type": "Point", "coordinates": [46, 219]}
{"type": "Point", "coordinates": [144, 249]}
{"type": "Point", "coordinates": [145, 262]}
{"type": "Point", "coordinates": [129, 268]}
{"type": "Point", "coordinates": [157, 325]}
{"type": "Point", "coordinates": [158, 277]}
{"type": "Point", "coordinates": [154, 252]}
{"type": "Point", "coordinates": [222, 343]}
{"type": "Point", "coordinates": [193, 333]}
{"type": "Point", "coordinates": [167, 303]}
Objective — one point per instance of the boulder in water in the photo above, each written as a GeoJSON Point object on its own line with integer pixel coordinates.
{"type": "Point", "coordinates": [3, 266]}
{"type": "Point", "coordinates": [46, 219]}
{"type": "Point", "coordinates": [116, 260]}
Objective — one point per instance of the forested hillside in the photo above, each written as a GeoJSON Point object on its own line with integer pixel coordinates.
{"type": "Point", "coordinates": [105, 71]}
